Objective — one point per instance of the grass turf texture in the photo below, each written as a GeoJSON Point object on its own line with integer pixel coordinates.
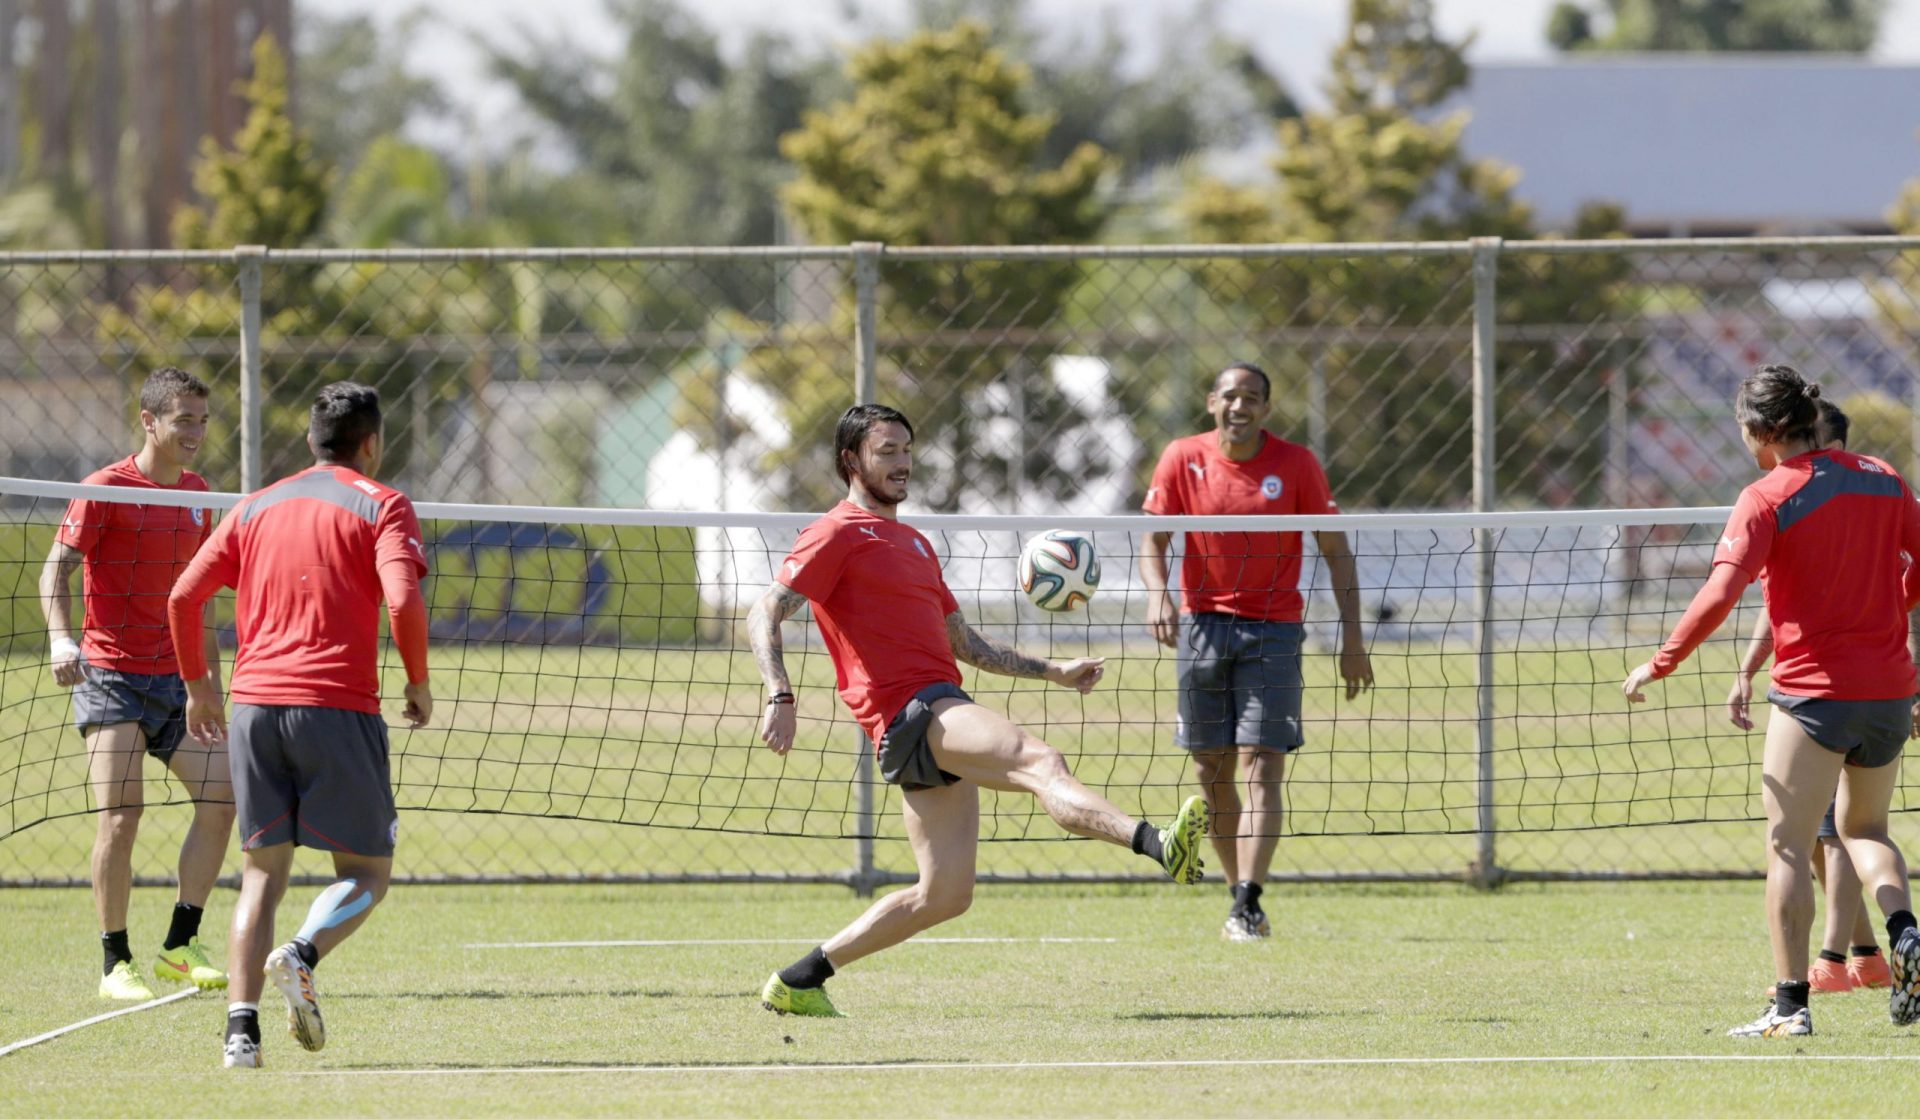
{"type": "Point", "coordinates": [1414, 971]}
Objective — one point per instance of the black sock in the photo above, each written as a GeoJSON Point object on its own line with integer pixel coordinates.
{"type": "Point", "coordinates": [244, 1019]}
{"type": "Point", "coordinates": [812, 970]}
{"type": "Point", "coordinates": [1866, 950]}
{"type": "Point", "coordinates": [1898, 923]}
{"type": "Point", "coordinates": [1239, 892]}
{"type": "Point", "coordinates": [309, 955]}
{"type": "Point", "coordinates": [1146, 841]}
{"type": "Point", "coordinates": [113, 946]}
{"type": "Point", "coordinates": [1789, 997]}
{"type": "Point", "coordinates": [1831, 956]}
{"type": "Point", "coordinates": [1252, 892]}
{"type": "Point", "coordinates": [186, 925]}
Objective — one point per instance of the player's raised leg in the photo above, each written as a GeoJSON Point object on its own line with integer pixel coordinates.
{"type": "Point", "coordinates": [114, 756]}
{"type": "Point", "coordinates": [202, 772]}
{"type": "Point", "coordinates": [943, 827]}
{"type": "Point", "coordinates": [988, 749]}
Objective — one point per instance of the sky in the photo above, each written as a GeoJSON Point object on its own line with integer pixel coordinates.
{"type": "Point", "coordinates": [1293, 37]}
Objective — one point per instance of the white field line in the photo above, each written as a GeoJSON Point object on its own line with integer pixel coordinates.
{"type": "Point", "coordinates": [1004, 1066]}
{"type": "Point", "coordinates": [793, 940]}
{"type": "Point", "coordinates": [98, 1018]}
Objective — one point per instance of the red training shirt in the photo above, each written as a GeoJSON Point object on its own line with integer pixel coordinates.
{"type": "Point", "coordinates": [133, 554]}
{"type": "Point", "coordinates": [1247, 574]}
{"type": "Point", "coordinates": [1824, 532]}
{"type": "Point", "coordinates": [882, 605]}
{"type": "Point", "coordinates": [312, 555]}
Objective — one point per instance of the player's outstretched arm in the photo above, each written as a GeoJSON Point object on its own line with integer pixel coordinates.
{"type": "Point", "coordinates": [988, 655]}
{"type": "Point", "coordinates": [769, 655]}
{"type": "Point", "coordinates": [1356, 668]}
{"type": "Point", "coordinates": [56, 602]}
{"type": "Point", "coordinates": [1709, 608]}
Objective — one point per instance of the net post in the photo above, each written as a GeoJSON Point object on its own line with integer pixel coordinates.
{"type": "Point", "coordinates": [249, 258]}
{"type": "Point", "coordinates": [1485, 871]}
{"type": "Point", "coordinates": [866, 389]}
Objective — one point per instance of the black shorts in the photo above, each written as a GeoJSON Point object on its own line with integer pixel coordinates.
{"type": "Point", "coordinates": [1829, 827]}
{"type": "Point", "coordinates": [104, 698]}
{"type": "Point", "coordinates": [1240, 683]}
{"type": "Point", "coordinates": [906, 757]}
{"type": "Point", "coordinates": [312, 776]}
{"type": "Point", "coordinates": [1869, 732]}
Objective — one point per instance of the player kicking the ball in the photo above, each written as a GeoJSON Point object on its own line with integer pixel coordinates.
{"type": "Point", "coordinates": [896, 634]}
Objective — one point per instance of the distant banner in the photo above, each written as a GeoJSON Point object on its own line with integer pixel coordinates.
{"type": "Point", "coordinates": [560, 584]}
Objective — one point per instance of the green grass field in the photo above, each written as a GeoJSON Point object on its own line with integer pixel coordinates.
{"type": "Point", "coordinates": [1544, 978]}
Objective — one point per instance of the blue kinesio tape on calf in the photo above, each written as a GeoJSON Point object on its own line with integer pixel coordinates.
{"type": "Point", "coordinates": [329, 911]}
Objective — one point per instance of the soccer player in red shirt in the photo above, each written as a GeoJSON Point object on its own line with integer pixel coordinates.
{"type": "Point", "coordinates": [1843, 679]}
{"type": "Point", "coordinates": [1239, 660]}
{"type": "Point", "coordinates": [896, 635]}
{"type": "Point", "coordinates": [127, 697]}
{"type": "Point", "coordinates": [1849, 955]}
{"type": "Point", "coordinates": [312, 556]}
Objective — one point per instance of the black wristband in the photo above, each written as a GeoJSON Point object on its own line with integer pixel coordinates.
{"type": "Point", "coordinates": [780, 697]}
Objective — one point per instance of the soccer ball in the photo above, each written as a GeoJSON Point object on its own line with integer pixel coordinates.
{"type": "Point", "coordinates": [1059, 570]}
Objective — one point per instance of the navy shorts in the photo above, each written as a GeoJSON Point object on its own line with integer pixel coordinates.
{"type": "Point", "coordinates": [312, 776]}
{"type": "Point", "coordinates": [1240, 683]}
{"type": "Point", "coordinates": [158, 703]}
{"type": "Point", "coordinates": [1829, 828]}
{"type": "Point", "coordinates": [1869, 732]}
{"type": "Point", "coordinates": [906, 757]}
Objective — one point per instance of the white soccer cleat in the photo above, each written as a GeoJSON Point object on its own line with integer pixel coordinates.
{"type": "Point", "coordinates": [242, 1052]}
{"type": "Point", "coordinates": [294, 978]}
{"type": "Point", "coordinates": [1774, 1024]}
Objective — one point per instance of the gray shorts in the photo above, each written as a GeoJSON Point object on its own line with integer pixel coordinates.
{"type": "Point", "coordinates": [1869, 732]}
{"type": "Point", "coordinates": [906, 757]}
{"type": "Point", "coordinates": [312, 776]}
{"type": "Point", "coordinates": [1829, 827]}
{"type": "Point", "coordinates": [158, 703]}
{"type": "Point", "coordinates": [1240, 683]}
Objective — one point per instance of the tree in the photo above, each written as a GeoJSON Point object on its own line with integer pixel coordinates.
{"type": "Point", "coordinates": [1203, 89]}
{"type": "Point", "coordinates": [672, 138]}
{"type": "Point", "coordinates": [936, 146]}
{"type": "Point", "coordinates": [1716, 25]}
{"type": "Point", "coordinates": [1378, 165]}
{"type": "Point", "coordinates": [355, 86]}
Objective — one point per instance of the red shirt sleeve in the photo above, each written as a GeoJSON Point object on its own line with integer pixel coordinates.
{"type": "Point", "coordinates": [1316, 496]}
{"type": "Point", "coordinates": [402, 560]}
{"type": "Point", "coordinates": [1163, 494]}
{"type": "Point", "coordinates": [1748, 536]}
{"type": "Point", "coordinates": [397, 537]}
{"type": "Point", "coordinates": [216, 565]}
{"type": "Point", "coordinates": [814, 566]}
{"type": "Point", "coordinates": [80, 529]}
{"type": "Point", "coordinates": [1709, 608]}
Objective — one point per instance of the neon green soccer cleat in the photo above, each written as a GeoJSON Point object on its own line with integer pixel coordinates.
{"type": "Point", "coordinates": [807, 1002]}
{"type": "Point", "coordinates": [189, 964]}
{"type": "Point", "coordinates": [1180, 842]}
{"type": "Point", "coordinates": [125, 984]}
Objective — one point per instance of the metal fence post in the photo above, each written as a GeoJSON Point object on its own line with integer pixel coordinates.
{"type": "Point", "coordinates": [252, 395]}
{"type": "Point", "coordinates": [866, 390]}
{"type": "Point", "coordinates": [1485, 871]}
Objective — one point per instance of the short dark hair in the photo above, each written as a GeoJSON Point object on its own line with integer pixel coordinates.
{"type": "Point", "coordinates": [1833, 424]}
{"type": "Point", "coordinates": [1777, 405]}
{"type": "Point", "coordinates": [168, 384]}
{"type": "Point", "coordinates": [852, 431]}
{"type": "Point", "coordinates": [344, 415]}
{"type": "Point", "coordinates": [1266, 382]}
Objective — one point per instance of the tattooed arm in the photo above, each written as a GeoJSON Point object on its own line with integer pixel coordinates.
{"type": "Point", "coordinates": [763, 630]}
{"type": "Point", "coordinates": [988, 655]}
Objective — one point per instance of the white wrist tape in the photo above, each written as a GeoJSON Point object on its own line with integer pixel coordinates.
{"type": "Point", "coordinates": [65, 647]}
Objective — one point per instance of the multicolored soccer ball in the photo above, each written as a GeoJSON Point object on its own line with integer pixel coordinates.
{"type": "Point", "coordinates": [1059, 570]}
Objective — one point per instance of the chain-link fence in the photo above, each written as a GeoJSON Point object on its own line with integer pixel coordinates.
{"type": "Point", "coordinates": [1480, 375]}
